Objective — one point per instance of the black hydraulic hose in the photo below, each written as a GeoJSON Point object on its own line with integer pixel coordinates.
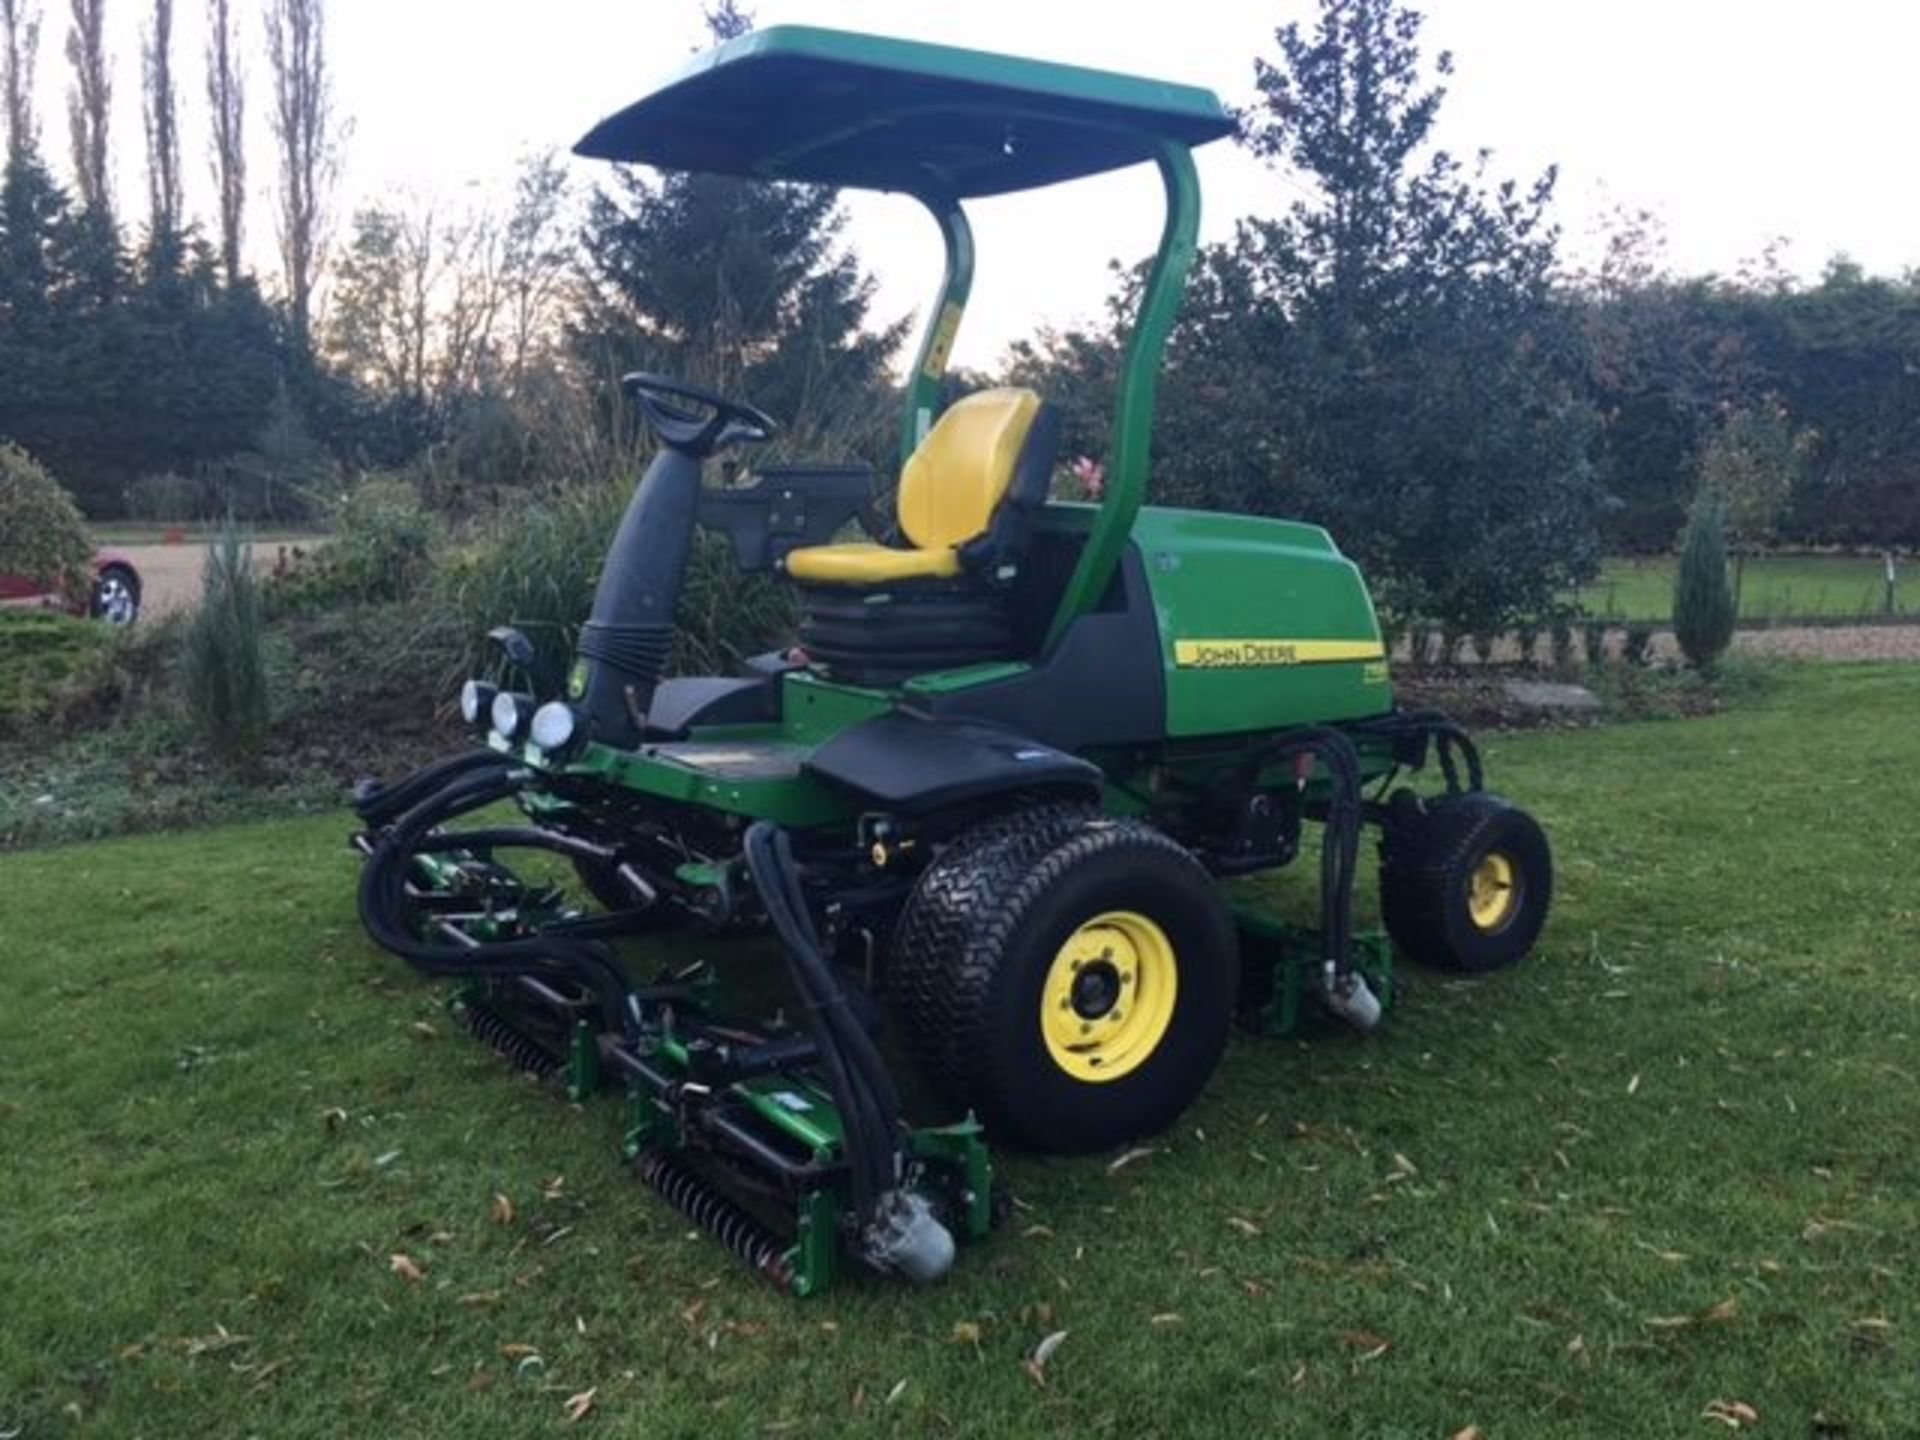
{"type": "Point", "coordinates": [857, 1079]}
{"type": "Point", "coordinates": [856, 1074]}
{"type": "Point", "coordinates": [383, 907]}
{"type": "Point", "coordinates": [381, 803]}
{"type": "Point", "coordinates": [1453, 746]}
{"type": "Point", "coordinates": [1340, 850]}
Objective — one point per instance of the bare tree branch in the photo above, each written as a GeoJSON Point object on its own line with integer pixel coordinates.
{"type": "Point", "coordinates": [226, 95]}
{"type": "Point", "coordinates": [163, 131]}
{"type": "Point", "coordinates": [19, 47]}
{"type": "Point", "coordinates": [89, 104]}
{"type": "Point", "coordinates": [303, 124]}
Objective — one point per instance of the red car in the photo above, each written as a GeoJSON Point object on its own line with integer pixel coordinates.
{"type": "Point", "coordinates": [114, 598]}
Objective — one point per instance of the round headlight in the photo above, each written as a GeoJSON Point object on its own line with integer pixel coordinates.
{"type": "Point", "coordinates": [510, 714]}
{"type": "Point", "coordinates": [553, 725]}
{"type": "Point", "coordinates": [476, 701]}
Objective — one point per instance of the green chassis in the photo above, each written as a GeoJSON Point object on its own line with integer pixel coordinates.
{"type": "Point", "coordinates": [1214, 637]}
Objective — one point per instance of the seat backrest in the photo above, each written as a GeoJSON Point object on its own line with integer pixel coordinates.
{"type": "Point", "coordinates": [959, 474]}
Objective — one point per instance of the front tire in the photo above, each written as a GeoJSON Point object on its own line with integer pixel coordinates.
{"type": "Point", "coordinates": [1466, 881]}
{"type": "Point", "coordinates": [116, 595]}
{"type": "Point", "coordinates": [1069, 977]}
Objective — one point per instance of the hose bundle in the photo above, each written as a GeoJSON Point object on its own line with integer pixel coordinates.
{"type": "Point", "coordinates": [468, 785]}
{"type": "Point", "coordinates": [856, 1075]}
{"type": "Point", "coordinates": [1340, 849]}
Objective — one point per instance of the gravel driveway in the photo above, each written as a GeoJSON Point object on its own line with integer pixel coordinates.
{"type": "Point", "coordinates": [170, 574]}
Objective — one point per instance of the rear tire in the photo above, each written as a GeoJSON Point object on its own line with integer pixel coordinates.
{"type": "Point", "coordinates": [1466, 881]}
{"type": "Point", "coordinates": [1069, 977]}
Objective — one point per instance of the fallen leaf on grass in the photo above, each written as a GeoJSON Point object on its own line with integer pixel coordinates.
{"type": "Point", "coordinates": [406, 1267]}
{"type": "Point", "coordinates": [333, 1118]}
{"type": "Point", "coordinates": [1371, 1345]}
{"type": "Point", "coordinates": [1165, 1317]}
{"type": "Point", "coordinates": [1633, 1085]}
{"type": "Point", "coordinates": [424, 1030]}
{"type": "Point", "coordinates": [1127, 1159]}
{"type": "Point", "coordinates": [1404, 1165]}
{"type": "Point", "coordinates": [553, 1188]}
{"type": "Point", "coordinates": [1036, 1363]}
{"type": "Point", "coordinates": [965, 1332]}
{"type": "Point", "coordinates": [1713, 1315]}
{"type": "Point", "coordinates": [502, 1210]}
{"type": "Point", "coordinates": [1243, 1225]}
{"type": "Point", "coordinates": [1734, 1414]}
{"type": "Point", "coordinates": [515, 1351]}
{"type": "Point", "coordinates": [577, 1406]}
{"type": "Point", "coordinates": [1472, 1432]}
{"type": "Point", "coordinates": [480, 1297]}
{"type": "Point", "coordinates": [899, 1389]}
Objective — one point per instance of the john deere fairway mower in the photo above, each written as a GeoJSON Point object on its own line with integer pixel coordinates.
{"type": "Point", "coordinates": [989, 802]}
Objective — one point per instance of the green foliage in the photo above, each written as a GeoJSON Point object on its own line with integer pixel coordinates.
{"type": "Point", "coordinates": [1638, 644]}
{"type": "Point", "coordinates": [1593, 640]}
{"type": "Point", "coordinates": [224, 664]}
{"type": "Point", "coordinates": [112, 368]}
{"type": "Point", "coordinates": [45, 658]}
{"type": "Point", "coordinates": [739, 286]}
{"type": "Point", "coordinates": [166, 497]}
{"type": "Point", "coordinates": [1388, 358]}
{"type": "Point", "coordinates": [1560, 637]}
{"type": "Point", "coordinates": [381, 547]}
{"type": "Point", "coordinates": [1751, 467]}
{"type": "Point", "coordinates": [536, 566]}
{"type": "Point", "coordinates": [1703, 606]}
{"type": "Point", "coordinates": [41, 533]}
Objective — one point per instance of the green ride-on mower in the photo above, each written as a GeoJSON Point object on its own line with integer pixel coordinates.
{"type": "Point", "coordinates": [996, 792]}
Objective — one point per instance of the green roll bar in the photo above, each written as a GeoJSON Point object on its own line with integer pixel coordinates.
{"type": "Point", "coordinates": [936, 346]}
{"type": "Point", "coordinates": [1132, 446]}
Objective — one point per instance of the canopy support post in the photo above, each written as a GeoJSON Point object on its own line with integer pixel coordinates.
{"type": "Point", "coordinates": [1126, 482]}
{"type": "Point", "coordinates": [936, 345]}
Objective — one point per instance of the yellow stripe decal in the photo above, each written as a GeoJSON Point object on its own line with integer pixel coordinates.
{"type": "Point", "coordinates": [1231, 654]}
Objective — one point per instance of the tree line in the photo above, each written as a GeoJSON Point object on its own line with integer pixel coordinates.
{"type": "Point", "coordinates": [1399, 351]}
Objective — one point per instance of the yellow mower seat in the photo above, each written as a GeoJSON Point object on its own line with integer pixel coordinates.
{"type": "Point", "coordinates": [948, 492]}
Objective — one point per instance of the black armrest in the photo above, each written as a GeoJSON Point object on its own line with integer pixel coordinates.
{"type": "Point", "coordinates": [785, 509]}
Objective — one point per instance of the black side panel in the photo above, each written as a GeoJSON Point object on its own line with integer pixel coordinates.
{"type": "Point", "coordinates": [1104, 683]}
{"type": "Point", "coordinates": [914, 766]}
{"type": "Point", "coordinates": [678, 705]}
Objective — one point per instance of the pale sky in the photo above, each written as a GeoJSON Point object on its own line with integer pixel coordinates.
{"type": "Point", "coordinates": [1735, 121]}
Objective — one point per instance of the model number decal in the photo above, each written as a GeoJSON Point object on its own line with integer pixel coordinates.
{"type": "Point", "coordinates": [1243, 654]}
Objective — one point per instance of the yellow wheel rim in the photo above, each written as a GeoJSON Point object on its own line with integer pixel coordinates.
{"type": "Point", "coordinates": [1109, 996]}
{"type": "Point", "coordinates": [1493, 891]}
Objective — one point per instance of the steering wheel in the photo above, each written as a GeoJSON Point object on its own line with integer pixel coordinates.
{"type": "Point", "coordinates": [693, 421]}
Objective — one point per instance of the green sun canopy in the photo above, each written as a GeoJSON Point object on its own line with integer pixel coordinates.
{"type": "Point", "coordinates": [836, 108]}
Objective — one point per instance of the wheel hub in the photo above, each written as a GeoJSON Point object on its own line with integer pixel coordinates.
{"type": "Point", "coordinates": [1108, 996]}
{"type": "Point", "coordinates": [1493, 891]}
{"type": "Point", "coordinates": [1096, 990]}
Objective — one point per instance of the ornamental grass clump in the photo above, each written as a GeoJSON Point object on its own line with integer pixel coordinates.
{"type": "Point", "coordinates": [224, 663]}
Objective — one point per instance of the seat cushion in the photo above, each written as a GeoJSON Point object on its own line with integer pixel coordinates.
{"type": "Point", "coordinates": [864, 564]}
{"type": "Point", "coordinates": [959, 474]}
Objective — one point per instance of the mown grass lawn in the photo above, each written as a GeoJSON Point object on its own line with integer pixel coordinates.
{"type": "Point", "coordinates": [1670, 1165]}
{"type": "Point", "coordinates": [1774, 588]}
